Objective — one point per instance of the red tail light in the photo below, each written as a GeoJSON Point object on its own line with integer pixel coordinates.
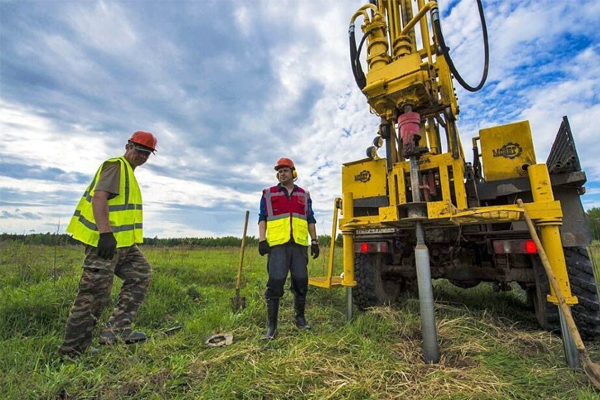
{"type": "Point", "coordinates": [519, 246]}
{"type": "Point", "coordinates": [364, 247]}
{"type": "Point", "coordinates": [371, 247]}
{"type": "Point", "coordinates": [530, 247]}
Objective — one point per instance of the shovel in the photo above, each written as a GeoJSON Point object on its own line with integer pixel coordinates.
{"type": "Point", "coordinates": [238, 302]}
{"type": "Point", "coordinates": [591, 369]}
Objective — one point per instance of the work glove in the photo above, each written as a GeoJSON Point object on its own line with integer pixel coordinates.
{"type": "Point", "coordinates": [263, 247]}
{"type": "Point", "coordinates": [314, 250]}
{"type": "Point", "coordinates": [107, 246]}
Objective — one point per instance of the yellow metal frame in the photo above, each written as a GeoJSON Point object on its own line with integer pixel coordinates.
{"type": "Point", "coordinates": [544, 211]}
{"type": "Point", "coordinates": [329, 280]}
{"type": "Point", "coordinates": [401, 77]}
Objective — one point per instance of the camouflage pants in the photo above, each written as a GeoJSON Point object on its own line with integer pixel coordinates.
{"type": "Point", "coordinates": [95, 286]}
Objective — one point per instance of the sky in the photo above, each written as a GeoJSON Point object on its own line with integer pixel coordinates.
{"type": "Point", "coordinates": [228, 87]}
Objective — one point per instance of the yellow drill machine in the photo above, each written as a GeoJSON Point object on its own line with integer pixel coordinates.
{"type": "Point", "coordinates": [422, 212]}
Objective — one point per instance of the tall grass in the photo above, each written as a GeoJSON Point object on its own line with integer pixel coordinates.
{"type": "Point", "coordinates": [490, 344]}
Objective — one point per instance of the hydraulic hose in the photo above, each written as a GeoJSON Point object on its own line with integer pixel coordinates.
{"type": "Point", "coordinates": [359, 75]}
{"type": "Point", "coordinates": [445, 51]}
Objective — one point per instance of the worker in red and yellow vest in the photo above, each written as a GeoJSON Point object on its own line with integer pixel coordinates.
{"type": "Point", "coordinates": [285, 221]}
{"type": "Point", "coordinates": [108, 221]}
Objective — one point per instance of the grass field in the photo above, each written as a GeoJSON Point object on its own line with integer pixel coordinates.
{"type": "Point", "coordinates": [489, 342]}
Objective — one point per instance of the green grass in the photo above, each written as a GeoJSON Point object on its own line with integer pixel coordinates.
{"type": "Point", "coordinates": [489, 342]}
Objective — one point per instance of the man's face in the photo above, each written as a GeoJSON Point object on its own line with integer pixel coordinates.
{"type": "Point", "coordinates": [135, 155]}
{"type": "Point", "coordinates": [285, 175]}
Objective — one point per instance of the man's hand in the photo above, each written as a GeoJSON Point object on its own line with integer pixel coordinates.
{"type": "Point", "coordinates": [107, 246]}
{"type": "Point", "coordinates": [263, 247]}
{"type": "Point", "coordinates": [314, 250]}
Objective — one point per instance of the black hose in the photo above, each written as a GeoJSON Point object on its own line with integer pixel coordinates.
{"type": "Point", "coordinates": [446, 52]}
{"type": "Point", "coordinates": [359, 75]}
{"type": "Point", "coordinates": [353, 51]}
{"type": "Point", "coordinates": [362, 41]}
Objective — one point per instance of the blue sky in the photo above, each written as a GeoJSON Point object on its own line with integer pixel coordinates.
{"type": "Point", "coordinates": [228, 87]}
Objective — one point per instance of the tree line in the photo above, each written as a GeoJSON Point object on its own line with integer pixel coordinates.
{"type": "Point", "coordinates": [56, 239]}
{"type": "Point", "coordinates": [593, 217]}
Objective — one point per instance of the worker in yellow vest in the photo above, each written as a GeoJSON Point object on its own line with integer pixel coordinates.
{"type": "Point", "coordinates": [285, 220]}
{"type": "Point", "coordinates": [108, 221]}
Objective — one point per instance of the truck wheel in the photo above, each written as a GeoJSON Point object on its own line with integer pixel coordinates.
{"type": "Point", "coordinates": [464, 284]}
{"type": "Point", "coordinates": [371, 289]}
{"type": "Point", "coordinates": [583, 285]}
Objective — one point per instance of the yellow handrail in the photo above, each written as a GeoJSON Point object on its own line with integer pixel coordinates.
{"type": "Point", "coordinates": [326, 281]}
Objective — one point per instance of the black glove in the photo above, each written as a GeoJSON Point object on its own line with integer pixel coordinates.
{"type": "Point", "coordinates": [314, 250]}
{"type": "Point", "coordinates": [107, 246]}
{"type": "Point", "coordinates": [263, 247]}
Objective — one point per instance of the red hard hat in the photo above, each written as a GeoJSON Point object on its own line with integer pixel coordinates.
{"type": "Point", "coordinates": [284, 162]}
{"type": "Point", "coordinates": [145, 139]}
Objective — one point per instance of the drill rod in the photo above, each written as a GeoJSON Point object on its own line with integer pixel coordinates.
{"type": "Point", "coordinates": [428, 328]}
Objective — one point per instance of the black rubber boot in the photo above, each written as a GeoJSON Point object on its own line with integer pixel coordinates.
{"type": "Point", "coordinates": [272, 311]}
{"type": "Point", "coordinates": [73, 354]}
{"type": "Point", "coordinates": [299, 306]}
{"type": "Point", "coordinates": [132, 337]}
{"type": "Point", "coordinates": [109, 338]}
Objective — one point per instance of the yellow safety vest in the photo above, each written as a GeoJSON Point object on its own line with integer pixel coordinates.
{"type": "Point", "coordinates": [124, 211]}
{"type": "Point", "coordinates": [286, 218]}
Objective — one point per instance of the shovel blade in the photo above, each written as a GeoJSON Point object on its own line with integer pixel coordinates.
{"type": "Point", "coordinates": [238, 303]}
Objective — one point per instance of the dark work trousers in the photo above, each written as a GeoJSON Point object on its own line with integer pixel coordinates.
{"type": "Point", "coordinates": [292, 257]}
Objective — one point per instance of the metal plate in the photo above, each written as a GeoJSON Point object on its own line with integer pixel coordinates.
{"type": "Point", "coordinates": [380, 231]}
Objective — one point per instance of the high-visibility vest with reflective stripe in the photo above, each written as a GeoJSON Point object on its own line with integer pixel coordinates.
{"type": "Point", "coordinates": [286, 217]}
{"type": "Point", "coordinates": [124, 211]}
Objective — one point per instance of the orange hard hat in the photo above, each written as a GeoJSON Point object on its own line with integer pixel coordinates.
{"type": "Point", "coordinates": [284, 162]}
{"type": "Point", "coordinates": [145, 139]}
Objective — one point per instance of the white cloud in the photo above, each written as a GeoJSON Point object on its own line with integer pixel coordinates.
{"type": "Point", "coordinates": [243, 21]}
{"type": "Point", "coordinates": [174, 191]}
{"type": "Point", "coordinates": [105, 27]}
{"type": "Point", "coordinates": [38, 141]}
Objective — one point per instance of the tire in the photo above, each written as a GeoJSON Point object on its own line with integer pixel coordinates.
{"type": "Point", "coordinates": [464, 284]}
{"type": "Point", "coordinates": [583, 285]}
{"type": "Point", "coordinates": [371, 289]}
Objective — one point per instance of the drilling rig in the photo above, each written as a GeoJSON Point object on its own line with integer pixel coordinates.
{"type": "Point", "coordinates": [423, 212]}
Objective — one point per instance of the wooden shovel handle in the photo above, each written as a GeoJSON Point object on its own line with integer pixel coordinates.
{"type": "Point", "coordinates": [239, 273]}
